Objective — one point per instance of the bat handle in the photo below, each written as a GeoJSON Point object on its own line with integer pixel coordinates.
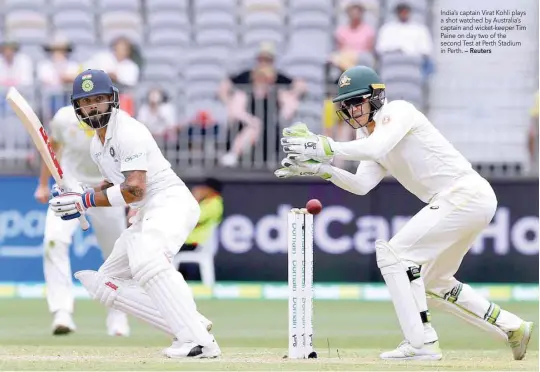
{"type": "Point", "coordinates": [84, 223]}
{"type": "Point", "coordinates": [72, 185]}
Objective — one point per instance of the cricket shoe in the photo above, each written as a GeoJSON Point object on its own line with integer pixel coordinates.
{"type": "Point", "coordinates": [405, 351]}
{"type": "Point", "coordinates": [519, 339]}
{"type": "Point", "coordinates": [63, 323]}
{"type": "Point", "coordinates": [193, 350]}
{"type": "Point", "coordinates": [117, 323]}
{"type": "Point", "coordinates": [182, 349]}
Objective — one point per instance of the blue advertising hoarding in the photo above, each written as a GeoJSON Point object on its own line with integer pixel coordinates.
{"type": "Point", "coordinates": [252, 240]}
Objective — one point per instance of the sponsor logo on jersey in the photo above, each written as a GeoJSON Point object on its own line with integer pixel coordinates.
{"type": "Point", "coordinates": [133, 157]}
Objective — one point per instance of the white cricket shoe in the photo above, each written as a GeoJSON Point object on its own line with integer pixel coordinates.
{"type": "Point", "coordinates": [192, 350]}
{"type": "Point", "coordinates": [519, 339]}
{"type": "Point", "coordinates": [405, 351]}
{"type": "Point", "coordinates": [117, 324]}
{"type": "Point", "coordinates": [183, 349]}
{"type": "Point", "coordinates": [63, 323]}
{"type": "Point", "coordinates": [178, 349]}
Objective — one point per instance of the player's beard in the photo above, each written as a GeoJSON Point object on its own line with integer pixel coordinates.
{"type": "Point", "coordinates": [97, 119]}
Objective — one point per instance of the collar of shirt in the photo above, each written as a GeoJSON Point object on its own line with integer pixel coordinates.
{"type": "Point", "coordinates": [112, 124]}
{"type": "Point", "coordinates": [378, 114]}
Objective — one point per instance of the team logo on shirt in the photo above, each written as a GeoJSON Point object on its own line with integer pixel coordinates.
{"type": "Point", "coordinates": [386, 119]}
{"type": "Point", "coordinates": [87, 85]}
{"type": "Point", "coordinates": [344, 81]}
{"type": "Point", "coordinates": [112, 152]}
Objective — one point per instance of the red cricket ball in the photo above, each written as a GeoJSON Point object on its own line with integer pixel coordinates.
{"type": "Point", "coordinates": [314, 206]}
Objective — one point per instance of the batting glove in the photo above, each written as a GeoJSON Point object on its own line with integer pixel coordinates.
{"type": "Point", "coordinates": [71, 186]}
{"type": "Point", "coordinates": [298, 140]}
{"type": "Point", "coordinates": [294, 167]}
{"type": "Point", "coordinates": [70, 205]}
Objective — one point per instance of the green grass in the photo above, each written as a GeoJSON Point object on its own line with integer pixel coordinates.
{"type": "Point", "coordinates": [349, 335]}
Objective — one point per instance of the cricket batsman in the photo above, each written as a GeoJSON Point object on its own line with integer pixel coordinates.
{"type": "Point", "coordinates": [420, 261]}
{"type": "Point", "coordinates": [138, 277]}
{"type": "Point", "coordinates": [71, 139]}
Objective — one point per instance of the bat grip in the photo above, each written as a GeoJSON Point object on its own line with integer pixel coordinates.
{"type": "Point", "coordinates": [84, 223]}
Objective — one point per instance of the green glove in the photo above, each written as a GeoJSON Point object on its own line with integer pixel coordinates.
{"type": "Point", "coordinates": [298, 140]}
{"type": "Point", "coordinates": [294, 167]}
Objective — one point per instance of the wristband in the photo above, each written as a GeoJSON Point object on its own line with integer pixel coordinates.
{"type": "Point", "coordinates": [89, 199]}
{"type": "Point", "coordinates": [116, 199]}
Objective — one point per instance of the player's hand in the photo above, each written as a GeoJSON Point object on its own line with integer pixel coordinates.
{"type": "Point", "coordinates": [294, 167]}
{"type": "Point", "coordinates": [73, 186]}
{"type": "Point", "coordinates": [70, 205]}
{"type": "Point", "coordinates": [298, 140]}
{"type": "Point", "coordinates": [42, 193]}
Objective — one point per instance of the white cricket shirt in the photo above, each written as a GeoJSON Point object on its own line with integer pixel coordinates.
{"type": "Point", "coordinates": [75, 138]}
{"type": "Point", "coordinates": [411, 149]}
{"type": "Point", "coordinates": [129, 146]}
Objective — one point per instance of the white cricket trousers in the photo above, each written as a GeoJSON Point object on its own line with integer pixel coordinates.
{"type": "Point", "coordinates": [439, 236]}
{"type": "Point", "coordinates": [108, 224]}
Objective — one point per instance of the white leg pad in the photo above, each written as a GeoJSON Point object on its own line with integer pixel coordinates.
{"type": "Point", "coordinates": [418, 291]}
{"type": "Point", "coordinates": [454, 307]}
{"type": "Point", "coordinates": [399, 286]}
{"type": "Point", "coordinates": [129, 298]}
{"type": "Point", "coordinates": [166, 287]}
{"type": "Point", "coordinates": [124, 296]}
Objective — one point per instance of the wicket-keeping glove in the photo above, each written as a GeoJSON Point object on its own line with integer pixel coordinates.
{"type": "Point", "coordinates": [298, 140]}
{"type": "Point", "coordinates": [294, 167]}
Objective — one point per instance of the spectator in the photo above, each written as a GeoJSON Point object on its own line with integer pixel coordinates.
{"type": "Point", "coordinates": [406, 37]}
{"type": "Point", "coordinates": [356, 36]}
{"type": "Point", "coordinates": [259, 97]}
{"type": "Point", "coordinates": [211, 203]}
{"type": "Point", "coordinates": [201, 130]}
{"type": "Point", "coordinates": [118, 63]}
{"type": "Point", "coordinates": [16, 68]}
{"type": "Point", "coordinates": [57, 72]}
{"type": "Point", "coordinates": [533, 137]}
{"type": "Point", "coordinates": [157, 113]}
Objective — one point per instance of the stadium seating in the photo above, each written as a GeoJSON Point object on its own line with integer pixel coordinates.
{"type": "Point", "coordinates": [193, 45]}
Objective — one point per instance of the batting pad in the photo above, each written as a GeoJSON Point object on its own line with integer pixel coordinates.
{"type": "Point", "coordinates": [399, 286]}
{"type": "Point", "coordinates": [169, 292]}
{"type": "Point", "coordinates": [437, 302]}
{"type": "Point", "coordinates": [124, 296]}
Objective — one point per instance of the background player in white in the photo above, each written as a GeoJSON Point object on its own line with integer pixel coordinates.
{"type": "Point", "coordinates": [71, 141]}
{"type": "Point", "coordinates": [138, 277]}
{"type": "Point", "coordinates": [427, 252]}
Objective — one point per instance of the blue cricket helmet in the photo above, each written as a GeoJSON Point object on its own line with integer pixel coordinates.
{"type": "Point", "coordinates": [91, 83]}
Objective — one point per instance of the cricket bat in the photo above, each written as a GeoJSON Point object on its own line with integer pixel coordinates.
{"type": "Point", "coordinates": [34, 127]}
